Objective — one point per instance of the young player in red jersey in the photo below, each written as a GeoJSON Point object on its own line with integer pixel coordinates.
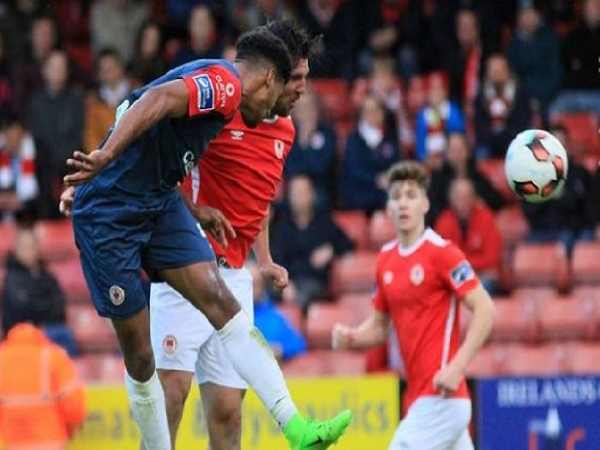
{"type": "Point", "coordinates": [421, 278]}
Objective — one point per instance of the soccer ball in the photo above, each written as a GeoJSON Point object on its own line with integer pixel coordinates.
{"type": "Point", "coordinates": [536, 166]}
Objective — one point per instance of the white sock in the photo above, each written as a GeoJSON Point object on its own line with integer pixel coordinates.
{"type": "Point", "coordinates": [147, 402]}
{"type": "Point", "coordinates": [252, 358]}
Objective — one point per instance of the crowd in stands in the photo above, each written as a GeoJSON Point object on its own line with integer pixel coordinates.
{"type": "Point", "coordinates": [448, 83]}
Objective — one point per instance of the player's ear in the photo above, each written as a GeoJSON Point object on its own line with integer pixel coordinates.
{"type": "Point", "coordinates": [270, 77]}
{"type": "Point", "coordinates": [427, 204]}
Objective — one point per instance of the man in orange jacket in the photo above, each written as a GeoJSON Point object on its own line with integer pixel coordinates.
{"type": "Point", "coordinates": [41, 397]}
{"type": "Point", "coordinates": [470, 224]}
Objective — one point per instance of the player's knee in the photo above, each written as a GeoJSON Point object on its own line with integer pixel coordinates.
{"type": "Point", "coordinates": [140, 364]}
{"type": "Point", "coordinates": [227, 417]}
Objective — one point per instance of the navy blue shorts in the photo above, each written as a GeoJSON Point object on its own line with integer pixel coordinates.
{"type": "Point", "coordinates": [119, 235]}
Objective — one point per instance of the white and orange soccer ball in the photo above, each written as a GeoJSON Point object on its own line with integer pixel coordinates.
{"type": "Point", "coordinates": [536, 166]}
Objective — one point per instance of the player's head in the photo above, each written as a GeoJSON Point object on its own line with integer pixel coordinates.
{"type": "Point", "coordinates": [407, 203]}
{"type": "Point", "coordinates": [265, 66]}
{"type": "Point", "coordinates": [301, 46]}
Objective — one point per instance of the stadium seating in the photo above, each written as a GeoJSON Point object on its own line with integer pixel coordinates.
{"type": "Point", "coordinates": [70, 277]}
{"type": "Point", "coordinates": [584, 358]}
{"type": "Point", "coordinates": [56, 240]}
{"type": "Point", "coordinates": [538, 294]}
{"type": "Point", "coordinates": [354, 272]}
{"type": "Point", "coordinates": [320, 321]}
{"type": "Point", "coordinates": [512, 225]}
{"type": "Point", "coordinates": [586, 263]}
{"type": "Point", "coordinates": [543, 360]}
{"type": "Point", "coordinates": [355, 225]}
{"type": "Point", "coordinates": [359, 304]}
{"type": "Point", "coordinates": [92, 332]}
{"type": "Point", "coordinates": [7, 239]}
{"type": "Point", "coordinates": [493, 169]}
{"type": "Point", "coordinates": [101, 368]}
{"type": "Point", "coordinates": [490, 361]}
{"type": "Point", "coordinates": [293, 314]}
{"type": "Point", "coordinates": [541, 265]}
{"type": "Point", "coordinates": [515, 320]}
{"type": "Point", "coordinates": [583, 130]}
{"type": "Point", "coordinates": [569, 318]}
{"type": "Point", "coordinates": [326, 362]}
{"type": "Point", "coordinates": [331, 93]}
{"type": "Point", "coordinates": [381, 230]}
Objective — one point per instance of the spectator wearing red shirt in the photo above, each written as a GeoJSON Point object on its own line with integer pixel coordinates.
{"type": "Point", "coordinates": [470, 224]}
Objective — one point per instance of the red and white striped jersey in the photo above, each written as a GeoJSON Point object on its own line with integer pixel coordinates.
{"type": "Point", "coordinates": [419, 288]}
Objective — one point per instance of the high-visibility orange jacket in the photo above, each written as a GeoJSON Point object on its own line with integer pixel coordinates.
{"type": "Point", "coordinates": [42, 401]}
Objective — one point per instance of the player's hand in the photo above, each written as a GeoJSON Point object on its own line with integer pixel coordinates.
{"type": "Point", "coordinates": [447, 380]}
{"type": "Point", "coordinates": [66, 201]}
{"type": "Point", "coordinates": [341, 337]}
{"type": "Point", "coordinates": [86, 166]}
{"type": "Point", "coordinates": [215, 223]}
{"type": "Point", "coordinates": [275, 273]}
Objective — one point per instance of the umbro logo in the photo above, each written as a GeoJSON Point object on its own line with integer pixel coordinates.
{"type": "Point", "coordinates": [237, 135]}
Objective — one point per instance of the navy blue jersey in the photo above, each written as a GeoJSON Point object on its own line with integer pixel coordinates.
{"type": "Point", "coordinates": [162, 156]}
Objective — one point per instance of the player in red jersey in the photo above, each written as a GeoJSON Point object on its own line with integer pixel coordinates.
{"type": "Point", "coordinates": [231, 189]}
{"type": "Point", "coordinates": [421, 278]}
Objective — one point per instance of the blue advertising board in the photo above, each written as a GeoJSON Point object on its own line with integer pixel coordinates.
{"type": "Point", "coordinates": [561, 413]}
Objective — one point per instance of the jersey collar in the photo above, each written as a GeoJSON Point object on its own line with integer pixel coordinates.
{"type": "Point", "coordinates": [406, 251]}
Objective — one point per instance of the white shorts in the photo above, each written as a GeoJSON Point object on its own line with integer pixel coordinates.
{"type": "Point", "coordinates": [435, 423]}
{"type": "Point", "coordinates": [183, 339]}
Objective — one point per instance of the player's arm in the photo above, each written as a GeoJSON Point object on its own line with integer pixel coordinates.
{"type": "Point", "coordinates": [170, 99]}
{"type": "Point", "coordinates": [373, 331]}
{"type": "Point", "coordinates": [478, 301]}
{"type": "Point", "coordinates": [268, 268]}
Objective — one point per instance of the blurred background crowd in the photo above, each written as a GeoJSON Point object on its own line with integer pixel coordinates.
{"type": "Point", "coordinates": [449, 83]}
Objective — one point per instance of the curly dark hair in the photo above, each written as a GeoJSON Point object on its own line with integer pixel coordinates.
{"type": "Point", "coordinates": [299, 42]}
{"type": "Point", "coordinates": [260, 45]}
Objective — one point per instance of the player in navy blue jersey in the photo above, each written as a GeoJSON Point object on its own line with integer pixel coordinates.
{"type": "Point", "coordinates": [128, 215]}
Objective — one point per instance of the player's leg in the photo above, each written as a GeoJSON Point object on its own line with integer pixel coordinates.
{"type": "Point", "coordinates": [223, 409]}
{"type": "Point", "coordinates": [176, 243]}
{"type": "Point", "coordinates": [110, 259]}
{"type": "Point", "coordinates": [177, 331]}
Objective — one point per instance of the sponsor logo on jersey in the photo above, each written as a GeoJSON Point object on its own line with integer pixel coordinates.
{"type": "Point", "coordinates": [229, 89]}
{"type": "Point", "coordinates": [206, 92]}
{"type": "Point", "coordinates": [188, 162]}
{"type": "Point", "coordinates": [237, 135]}
{"type": "Point", "coordinates": [388, 277]}
{"type": "Point", "coordinates": [169, 344]}
{"type": "Point", "coordinates": [116, 295]}
{"type": "Point", "coordinates": [462, 273]}
{"type": "Point", "coordinates": [222, 90]}
{"type": "Point", "coordinates": [279, 148]}
{"type": "Point", "coordinates": [417, 274]}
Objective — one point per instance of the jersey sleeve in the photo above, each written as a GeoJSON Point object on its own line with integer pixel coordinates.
{"type": "Point", "coordinates": [456, 271]}
{"type": "Point", "coordinates": [213, 89]}
{"type": "Point", "coordinates": [379, 301]}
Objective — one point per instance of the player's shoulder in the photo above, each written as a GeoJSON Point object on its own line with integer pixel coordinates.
{"type": "Point", "coordinates": [387, 252]}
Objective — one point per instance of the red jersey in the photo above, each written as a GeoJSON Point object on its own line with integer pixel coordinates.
{"type": "Point", "coordinates": [418, 287]}
{"type": "Point", "coordinates": [240, 173]}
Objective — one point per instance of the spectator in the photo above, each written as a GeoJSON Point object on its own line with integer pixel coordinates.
{"type": "Point", "coordinates": [7, 90]}
{"type": "Point", "coordinates": [33, 294]}
{"type": "Point", "coordinates": [314, 149]}
{"type": "Point", "coordinates": [580, 62]}
{"type": "Point", "coordinates": [370, 150]}
{"type": "Point", "coordinates": [337, 22]}
{"type": "Point", "coordinates": [565, 218]}
{"type": "Point", "coordinates": [464, 61]}
{"type": "Point", "coordinates": [306, 242]}
{"type": "Point", "coordinates": [19, 187]}
{"type": "Point", "coordinates": [285, 341]}
{"type": "Point", "coordinates": [438, 118]}
{"type": "Point", "coordinates": [148, 63]}
{"type": "Point", "coordinates": [502, 109]}
{"type": "Point", "coordinates": [56, 119]}
{"type": "Point", "coordinates": [534, 55]}
{"type": "Point", "coordinates": [383, 83]}
{"type": "Point", "coordinates": [459, 163]}
{"type": "Point", "coordinates": [28, 73]}
{"type": "Point", "coordinates": [204, 39]}
{"type": "Point", "coordinates": [416, 99]}
{"type": "Point", "coordinates": [471, 226]}
{"type": "Point", "coordinates": [257, 12]}
{"type": "Point", "coordinates": [42, 400]}
{"type": "Point", "coordinates": [101, 105]}
{"type": "Point", "coordinates": [114, 23]}
{"type": "Point", "coordinates": [593, 202]}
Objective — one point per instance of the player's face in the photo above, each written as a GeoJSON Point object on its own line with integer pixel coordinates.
{"type": "Point", "coordinates": [293, 89]}
{"type": "Point", "coordinates": [407, 205]}
{"type": "Point", "coordinates": [259, 96]}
